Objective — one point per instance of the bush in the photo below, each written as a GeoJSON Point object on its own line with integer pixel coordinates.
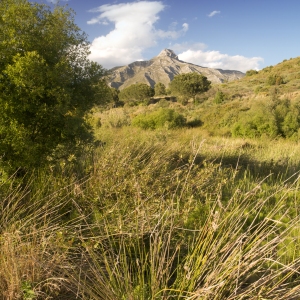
{"type": "Point", "coordinates": [256, 123]}
{"type": "Point", "coordinates": [219, 97]}
{"type": "Point", "coordinates": [163, 117]}
{"type": "Point", "coordinates": [251, 72]}
{"type": "Point", "coordinates": [275, 80]}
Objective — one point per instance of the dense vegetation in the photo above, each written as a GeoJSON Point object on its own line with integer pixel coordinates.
{"type": "Point", "coordinates": [141, 199]}
{"type": "Point", "coordinates": [47, 85]}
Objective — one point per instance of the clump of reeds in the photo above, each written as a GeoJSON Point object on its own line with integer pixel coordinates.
{"type": "Point", "coordinates": [34, 244]}
{"type": "Point", "coordinates": [236, 247]}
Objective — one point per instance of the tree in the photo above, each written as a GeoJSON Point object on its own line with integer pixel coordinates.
{"type": "Point", "coordinates": [137, 92]}
{"type": "Point", "coordinates": [47, 84]}
{"type": "Point", "coordinates": [189, 85]}
{"type": "Point", "coordinates": [160, 89]}
{"type": "Point", "coordinates": [115, 97]}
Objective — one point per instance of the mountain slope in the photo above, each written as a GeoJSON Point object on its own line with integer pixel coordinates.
{"type": "Point", "coordinates": [163, 68]}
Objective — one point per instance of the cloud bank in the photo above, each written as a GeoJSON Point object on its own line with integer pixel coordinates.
{"type": "Point", "coordinates": [217, 60]}
{"type": "Point", "coordinates": [133, 32]}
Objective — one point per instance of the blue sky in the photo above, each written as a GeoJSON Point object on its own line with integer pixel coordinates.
{"type": "Point", "coordinates": [225, 34]}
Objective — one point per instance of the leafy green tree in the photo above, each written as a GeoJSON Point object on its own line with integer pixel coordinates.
{"type": "Point", "coordinates": [136, 92]}
{"type": "Point", "coordinates": [160, 89]}
{"type": "Point", "coordinates": [115, 97]}
{"type": "Point", "coordinates": [47, 85]}
{"type": "Point", "coordinates": [189, 85]}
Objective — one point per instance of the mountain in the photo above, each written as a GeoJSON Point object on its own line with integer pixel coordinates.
{"type": "Point", "coordinates": [163, 68]}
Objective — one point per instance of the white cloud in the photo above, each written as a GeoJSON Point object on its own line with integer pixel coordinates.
{"type": "Point", "coordinates": [134, 32]}
{"type": "Point", "coordinates": [173, 34]}
{"type": "Point", "coordinates": [56, 1]}
{"type": "Point", "coordinates": [213, 13]}
{"type": "Point", "coordinates": [217, 60]}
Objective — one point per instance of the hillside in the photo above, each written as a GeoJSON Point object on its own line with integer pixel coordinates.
{"type": "Point", "coordinates": [261, 84]}
{"type": "Point", "coordinates": [163, 68]}
{"type": "Point", "coordinates": [261, 104]}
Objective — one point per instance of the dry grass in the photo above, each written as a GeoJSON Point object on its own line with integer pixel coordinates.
{"type": "Point", "coordinates": [161, 215]}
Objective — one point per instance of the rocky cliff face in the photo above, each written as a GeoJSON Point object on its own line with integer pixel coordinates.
{"type": "Point", "coordinates": [163, 68]}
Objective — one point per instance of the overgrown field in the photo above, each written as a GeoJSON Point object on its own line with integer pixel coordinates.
{"type": "Point", "coordinates": [116, 195]}
{"type": "Point", "coordinates": [156, 214]}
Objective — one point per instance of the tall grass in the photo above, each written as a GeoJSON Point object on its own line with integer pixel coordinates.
{"type": "Point", "coordinates": [34, 243]}
{"type": "Point", "coordinates": [156, 215]}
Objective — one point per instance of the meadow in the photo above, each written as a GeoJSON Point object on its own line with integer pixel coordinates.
{"type": "Point", "coordinates": [156, 214]}
{"type": "Point", "coordinates": [178, 200]}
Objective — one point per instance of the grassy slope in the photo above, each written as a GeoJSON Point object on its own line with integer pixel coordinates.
{"type": "Point", "coordinates": [165, 214]}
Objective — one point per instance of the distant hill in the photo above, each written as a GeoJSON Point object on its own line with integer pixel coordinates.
{"type": "Point", "coordinates": [284, 78]}
{"type": "Point", "coordinates": [163, 68]}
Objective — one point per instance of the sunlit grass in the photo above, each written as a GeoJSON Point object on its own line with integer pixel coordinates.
{"type": "Point", "coordinates": [156, 215]}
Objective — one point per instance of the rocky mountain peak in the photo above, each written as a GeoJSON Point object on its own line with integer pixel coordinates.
{"type": "Point", "coordinates": [163, 68]}
{"type": "Point", "coordinates": [168, 52]}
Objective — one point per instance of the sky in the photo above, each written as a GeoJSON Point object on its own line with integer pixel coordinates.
{"type": "Point", "coordinates": [223, 34]}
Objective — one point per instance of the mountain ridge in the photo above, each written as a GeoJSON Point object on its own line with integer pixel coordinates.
{"type": "Point", "coordinates": [163, 68]}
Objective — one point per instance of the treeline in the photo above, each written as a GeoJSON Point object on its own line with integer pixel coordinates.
{"type": "Point", "coordinates": [183, 87]}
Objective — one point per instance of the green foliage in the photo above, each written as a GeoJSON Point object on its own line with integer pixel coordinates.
{"type": "Point", "coordinates": [160, 89]}
{"type": "Point", "coordinates": [162, 118]}
{"type": "Point", "coordinates": [275, 80]}
{"type": "Point", "coordinates": [47, 85]}
{"type": "Point", "coordinates": [137, 93]}
{"type": "Point", "coordinates": [114, 94]}
{"type": "Point", "coordinates": [251, 72]}
{"type": "Point", "coordinates": [28, 292]}
{"type": "Point", "coordinates": [219, 97]}
{"type": "Point", "coordinates": [273, 118]}
{"type": "Point", "coordinates": [189, 85]}
{"type": "Point", "coordinates": [255, 126]}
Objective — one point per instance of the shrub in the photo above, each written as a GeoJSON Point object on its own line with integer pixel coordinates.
{"type": "Point", "coordinates": [251, 72]}
{"type": "Point", "coordinates": [256, 123]}
{"type": "Point", "coordinates": [275, 80]}
{"type": "Point", "coordinates": [163, 117]}
{"type": "Point", "coordinates": [219, 97]}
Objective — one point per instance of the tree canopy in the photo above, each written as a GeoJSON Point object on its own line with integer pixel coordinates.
{"type": "Point", "coordinates": [160, 89]}
{"type": "Point", "coordinates": [189, 85]}
{"type": "Point", "coordinates": [136, 92]}
{"type": "Point", "coordinates": [47, 84]}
